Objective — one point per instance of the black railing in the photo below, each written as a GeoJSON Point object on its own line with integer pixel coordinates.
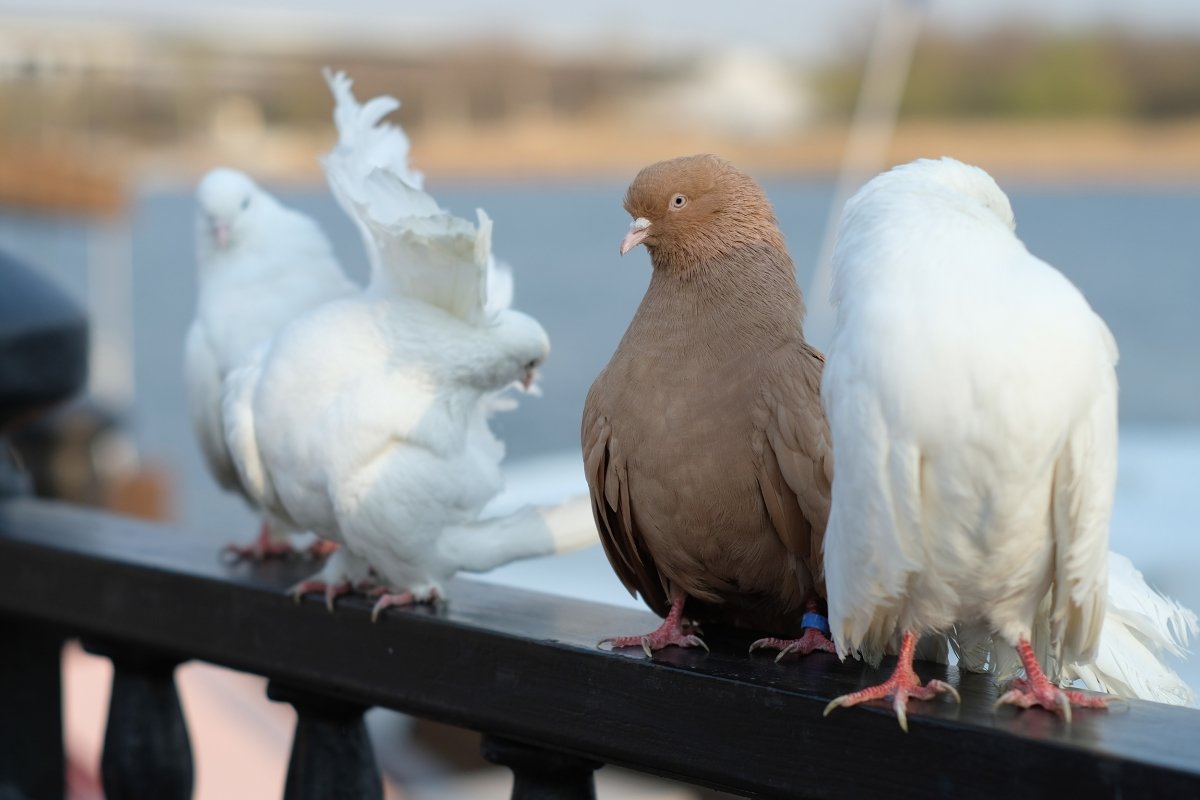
{"type": "Point", "coordinates": [521, 668]}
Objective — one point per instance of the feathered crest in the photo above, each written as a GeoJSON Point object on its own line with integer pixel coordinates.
{"type": "Point", "coordinates": [415, 247]}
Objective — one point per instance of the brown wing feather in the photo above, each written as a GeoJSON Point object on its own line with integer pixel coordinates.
{"type": "Point", "coordinates": [794, 458]}
{"type": "Point", "coordinates": [608, 483]}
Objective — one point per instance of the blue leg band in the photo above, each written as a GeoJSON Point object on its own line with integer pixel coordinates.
{"type": "Point", "coordinates": [815, 621]}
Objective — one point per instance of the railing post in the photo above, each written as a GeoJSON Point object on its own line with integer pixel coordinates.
{"type": "Point", "coordinates": [332, 757]}
{"type": "Point", "coordinates": [541, 774]}
{"type": "Point", "coordinates": [43, 361]}
{"type": "Point", "coordinates": [32, 763]}
{"type": "Point", "coordinates": [147, 753]}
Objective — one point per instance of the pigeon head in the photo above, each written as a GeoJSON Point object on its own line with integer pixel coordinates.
{"type": "Point", "coordinates": [523, 346]}
{"type": "Point", "coordinates": [228, 202]}
{"type": "Point", "coordinates": [696, 208]}
{"type": "Point", "coordinates": [968, 186]}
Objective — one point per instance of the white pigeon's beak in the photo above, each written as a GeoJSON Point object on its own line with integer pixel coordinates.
{"type": "Point", "coordinates": [220, 234]}
{"type": "Point", "coordinates": [530, 377]}
{"type": "Point", "coordinates": [638, 230]}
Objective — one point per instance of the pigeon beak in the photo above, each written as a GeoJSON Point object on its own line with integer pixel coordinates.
{"type": "Point", "coordinates": [220, 232]}
{"type": "Point", "coordinates": [527, 381]}
{"type": "Point", "coordinates": [638, 230]}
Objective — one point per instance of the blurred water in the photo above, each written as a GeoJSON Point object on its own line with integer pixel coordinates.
{"type": "Point", "coordinates": [1132, 250]}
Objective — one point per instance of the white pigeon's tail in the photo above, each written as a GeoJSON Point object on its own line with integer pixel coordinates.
{"type": "Point", "coordinates": [1140, 626]}
{"type": "Point", "coordinates": [529, 532]}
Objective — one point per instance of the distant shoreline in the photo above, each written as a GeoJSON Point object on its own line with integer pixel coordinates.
{"type": "Point", "coordinates": [535, 149]}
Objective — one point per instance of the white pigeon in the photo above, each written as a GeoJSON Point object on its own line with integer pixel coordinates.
{"type": "Point", "coordinates": [972, 399]}
{"type": "Point", "coordinates": [260, 264]}
{"type": "Point", "coordinates": [390, 451]}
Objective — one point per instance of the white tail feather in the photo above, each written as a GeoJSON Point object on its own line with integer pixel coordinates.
{"type": "Point", "coordinates": [1139, 626]}
{"type": "Point", "coordinates": [528, 532]}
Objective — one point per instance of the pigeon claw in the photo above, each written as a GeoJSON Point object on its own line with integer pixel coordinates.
{"type": "Point", "coordinates": [812, 641]}
{"type": "Point", "coordinates": [1035, 689]}
{"type": "Point", "coordinates": [1027, 694]}
{"type": "Point", "coordinates": [673, 631]}
{"type": "Point", "coordinates": [657, 640]}
{"type": "Point", "coordinates": [901, 686]}
{"type": "Point", "coordinates": [332, 590]}
{"type": "Point", "coordinates": [388, 598]}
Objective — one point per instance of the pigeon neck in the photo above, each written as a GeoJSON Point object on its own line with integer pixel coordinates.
{"type": "Point", "coordinates": [747, 300]}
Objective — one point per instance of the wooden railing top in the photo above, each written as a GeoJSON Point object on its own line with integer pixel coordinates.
{"type": "Point", "coordinates": [525, 666]}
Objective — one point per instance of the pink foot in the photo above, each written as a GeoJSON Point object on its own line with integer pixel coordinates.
{"type": "Point", "coordinates": [387, 599]}
{"type": "Point", "coordinates": [1035, 689]}
{"type": "Point", "coordinates": [903, 684]}
{"type": "Point", "coordinates": [332, 590]}
{"type": "Point", "coordinates": [673, 631]}
{"type": "Point", "coordinates": [812, 641]}
{"type": "Point", "coordinates": [321, 548]}
{"type": "Point", "coordinates": [815, 636]}
{"type": "Point", "coordinates": [262, 549]}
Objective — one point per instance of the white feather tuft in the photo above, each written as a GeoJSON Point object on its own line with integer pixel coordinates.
{"type": "Point", "coordinates": [1140, 625]}
{"type": "Point", "coordinates": [416, 248]}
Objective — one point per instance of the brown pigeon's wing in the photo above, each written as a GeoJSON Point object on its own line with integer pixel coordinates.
{"type": "Point", "coordinates": [608, 483]}
{"type": "Point", "coordinates": [794, 456]}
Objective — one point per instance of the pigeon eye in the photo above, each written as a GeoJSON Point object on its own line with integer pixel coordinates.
{"type": "Point", "coordinates": [678, 201]}
{"type": "Point", "coordinates": [532, 364]}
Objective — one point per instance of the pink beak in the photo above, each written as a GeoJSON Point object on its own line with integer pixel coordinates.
{"type": "Point", "coordinates": [639, 229]}
{"type": "Point", "coordinates": [220, 234]}
{"type": "Point", "coordinates": [527, 381]}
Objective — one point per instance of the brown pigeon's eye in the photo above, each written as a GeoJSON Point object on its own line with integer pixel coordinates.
{"type": "Point", "coordinates": [678, 201]}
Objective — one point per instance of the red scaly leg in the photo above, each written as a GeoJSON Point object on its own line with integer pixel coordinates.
{"type": "Point", "coordinates": [815, 637]}
{"type": "Point", "coordinates": [1035, 689]}
{"type": "Point", "coordinates": [903, 684]}
{"type": "Point", "coordinates": [673, 631]}
{"type": "Point", "coordinates": [262, 548]}
{"type": "Point", "coordinates": [321, 548]}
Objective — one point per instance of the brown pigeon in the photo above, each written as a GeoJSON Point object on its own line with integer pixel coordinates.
{"type": "Point", "coordinates": [706, 450]}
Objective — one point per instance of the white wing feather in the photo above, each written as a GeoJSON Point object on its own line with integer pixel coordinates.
{"type": "Point", "coordinates": [238, 413]}
{"type": "Point", "coordinates": [865, 579]}
{"type": "Point", "coordinates": [1084, 482]}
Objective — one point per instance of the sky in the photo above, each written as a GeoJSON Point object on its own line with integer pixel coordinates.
{"type": "Point", "coordinates": [799, 29]}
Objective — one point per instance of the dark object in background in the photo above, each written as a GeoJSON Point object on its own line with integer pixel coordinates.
{"type": "Point", "coordinates": [75, 453]}
{"type": "Point", "coordinates": [82, 454]}
{"type": "Point", "coordinates": [43, 344]}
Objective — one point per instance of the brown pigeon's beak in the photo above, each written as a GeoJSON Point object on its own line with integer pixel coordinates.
{"type": "Point", "coordinates": [638, 230]}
